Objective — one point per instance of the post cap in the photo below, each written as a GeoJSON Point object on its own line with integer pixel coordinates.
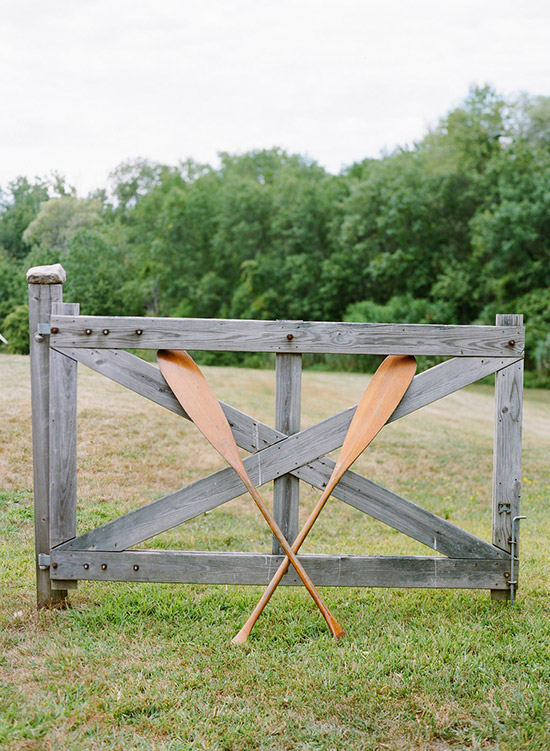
{"type": "Point", "coordinates": [54, 274]}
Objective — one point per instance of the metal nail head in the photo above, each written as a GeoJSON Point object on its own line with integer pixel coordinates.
{"type": "Point", "coordinates": [290, 337]}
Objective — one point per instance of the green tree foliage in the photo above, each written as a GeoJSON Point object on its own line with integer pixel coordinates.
{"type": "Point", "coordinates": [19, 205]}
{"type": "Point", "coordinates": [57, 222]}
{"type": "Point", "coordinates": [100, 275]}
{"type": "Point", "coordinates": [453, 229]}
{"type": "Point", "coordinates": [16, 330]}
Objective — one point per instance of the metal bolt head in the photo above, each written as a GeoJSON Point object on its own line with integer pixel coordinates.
{"type": "Point", "coordinates": [290, 337]}
{"type": "Point", "coordinates": [105, 331]}
{"type": "Point", "coordinates": [136, 567]}
{"type": "Point", "coordinates": [88, 332]}
{"type": "Point", "coordinates": [103, 566]}
{"type": "Point", "coordinates": [39, 337]}
{"type": "Point", "coordinates": [139, 332]}
{"type": "Point", "coordinates": [510, 343]}
{"type": "Point", "coordinates": [55, 330]}
{"type": "Point", "coordinates": [86, 566]}
{"type": "Point", "coordinates": [506, 575]}
{"type": "Point", "coordinates": [54, 564]}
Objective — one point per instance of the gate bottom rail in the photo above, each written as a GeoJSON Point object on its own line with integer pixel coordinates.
{"type": "Point", "coordinates": [208, 567]}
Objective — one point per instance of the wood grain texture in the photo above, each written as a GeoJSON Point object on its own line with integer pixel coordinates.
{"type": "Point", "coordinates": [252, 435]}
{"type": "Point", "coordinates": [258, 568]}
{"type": "Point", "coordinates": [400, 514]}
{"type": "Point", "coordinates": [146, 379]}
{"type": "Point", "coordinates": [63, 390]}
{"type": "Point", "coordinates": [287, 336]}
{"type": "Point", "coordinates": [41, 297]}
{"type": "Point", "coordinates": [507, 445]}
{"type": "Point", "coordinates": [286, 489]}
{"type": "Point", "coordinates": [210, 492]}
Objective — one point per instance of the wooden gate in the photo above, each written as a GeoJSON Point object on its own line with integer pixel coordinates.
{"type": "Point", "coordinates": [284, 454]}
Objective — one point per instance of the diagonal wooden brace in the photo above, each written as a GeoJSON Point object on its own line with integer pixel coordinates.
{"type": "Point", "coordinates": [298, 454]}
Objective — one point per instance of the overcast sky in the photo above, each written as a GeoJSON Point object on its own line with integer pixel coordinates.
{"type": "Point", "coordinates": [86, 84]}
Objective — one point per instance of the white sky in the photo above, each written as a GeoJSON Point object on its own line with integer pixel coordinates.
{"type": "Point", "coordinates": [86, 84]}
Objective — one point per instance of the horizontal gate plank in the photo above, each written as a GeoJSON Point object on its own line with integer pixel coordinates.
{"type": "Point", "coordinates": [292, 453]}
{"type": "Point", "coordinates": [286, 336]}
{"type": "Point", "coordinates": [258, 568]}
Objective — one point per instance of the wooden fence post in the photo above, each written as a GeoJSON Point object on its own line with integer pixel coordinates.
{"type": "Point", "coordinates": [507, 451]}
{"type": "Point", "coordinates": [63, 390]}
{"type": "Point", "coordinates": [286, 489]}
{"type": "Point", "coordinates": [45, 290]}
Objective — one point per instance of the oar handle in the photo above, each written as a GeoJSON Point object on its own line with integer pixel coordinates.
{"type": "Point", "coordinates": [336, 630]}
{"type": "Point", "coordinates": [244, 633]}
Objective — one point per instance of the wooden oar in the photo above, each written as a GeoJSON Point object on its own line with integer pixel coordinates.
{"type": "Point", "coordinates": [196, 397]}
{"type": "Point", "coordinates": [377, 404]}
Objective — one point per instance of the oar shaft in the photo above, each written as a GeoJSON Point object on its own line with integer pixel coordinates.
{"type": "Point", "coordinates": [281, 571]}
{"type": "Point", "coordinates": [335, 628]}
{"type": "Point", "coordinates": [195, 395]}
{"type": "Point", "coordinates": [380, 399]}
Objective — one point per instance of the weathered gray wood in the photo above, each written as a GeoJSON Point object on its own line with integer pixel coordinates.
{"type": "Point", "coordinates": [258, 568]}
{"type": "Point", "coordinates": [287, 336]}
{"type": "Point", "coordinates": [399, 513]}
{"type": "Point", "coordinates": [146, 379]}
{"type": "Point", "coordinates": [507, 446]}
{"type": "Point", "coordinates": [210, 492]}
{"type": "Point", "coordinates": [60, 584]}
{"type": "Point", "coordinates": [63, 386]}
{"type": "Point", "coordinates": [252, 435]}
{"type": "Point", "coordinates": [500, 594]}
{"type": "Point", "coordinates": [286, 489]}
{"type": "Point", "coordinates": [41, 297]}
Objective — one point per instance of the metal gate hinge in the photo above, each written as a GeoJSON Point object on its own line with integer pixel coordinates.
{"type": "Point", "coordinates": [42, 330]}
{"type": "Point", "coordinates": [43, 561]}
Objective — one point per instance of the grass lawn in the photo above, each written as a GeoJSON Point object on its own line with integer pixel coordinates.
{"type": "Point", "coordinates": [152, 667]}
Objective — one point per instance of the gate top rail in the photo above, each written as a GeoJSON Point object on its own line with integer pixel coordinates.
{"type": "Point", "coordinates": [235, 335]}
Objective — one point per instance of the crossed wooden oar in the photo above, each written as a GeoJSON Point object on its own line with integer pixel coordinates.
{"type": "Point", "coordinates": [379, 401]}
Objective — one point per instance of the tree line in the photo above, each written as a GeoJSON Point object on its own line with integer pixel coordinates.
{"type": "Point", "coordinates": [452, 229]}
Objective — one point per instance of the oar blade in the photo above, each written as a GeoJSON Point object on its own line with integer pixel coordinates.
{"type": "Point", "coordinates": [199, 401]}
{"type": "Point", "coordinates": [380, 400]}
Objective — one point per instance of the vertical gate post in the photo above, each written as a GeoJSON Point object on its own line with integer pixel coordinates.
{"type": "Point", "coordinates": [286, 489]}
{"type": "Point", "coordinates": [507, 451]}
{"type": "Point", "coordinates": [45, 288]}
{"type": "Point", "coordinates": [63, 388]}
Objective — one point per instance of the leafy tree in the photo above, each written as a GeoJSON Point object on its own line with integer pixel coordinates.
{"type": "Point", "coordinates": [100, 276]}
{"type": "Point", "coordinates": [19, 205]}
{"type": "Point", "coordinates": [16, 330]}
{"type": "Point", "coordinates": [13, 289]}
{"type": "Point", "coordinates": [58, 220]}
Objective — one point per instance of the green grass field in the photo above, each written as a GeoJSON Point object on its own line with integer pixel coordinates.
{"type": "Point", "coordinates": [152, 667]}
